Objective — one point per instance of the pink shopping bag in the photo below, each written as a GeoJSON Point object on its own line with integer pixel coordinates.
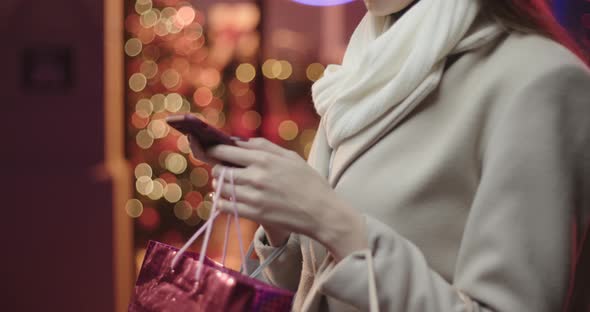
{"type": "Point", "coordinates": [173, 279]}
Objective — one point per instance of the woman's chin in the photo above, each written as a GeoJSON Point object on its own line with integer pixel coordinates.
{"type": "Point", "coordinates": [379, 13]}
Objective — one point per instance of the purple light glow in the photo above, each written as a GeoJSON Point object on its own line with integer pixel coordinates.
{"type": "Point", "coordinates": [322, 2]}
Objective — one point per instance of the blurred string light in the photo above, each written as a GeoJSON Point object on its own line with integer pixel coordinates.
{"type": "Point", "coordinates": [159, 102]}
{"type": "Point", "coordinates": [176, 163]}
{"type": "Point", "coordinates": [134, 208]}
{"type": "Point", "coordinates": [139, 121]}
{"type": "Point", "coordinates": [199, 177]}
{"type": "Point", "coordinates": [182, 144]}
{"type": "Point", "coordinates": [149, 69]}
{"type": "Point", "coordinates": [137, 82]}
{"type": "Point", "coordinates": [251, 120]}
{"type": "Point", "coordinates": [144, 108]}
{"type": "Point", "coordinates": [173, 102]}
{"type": "Point", "coordinates": [315, 71]}
{"type": "Point", "coordinates": [288, 130]}
{"type": "Point", "coordinates": [149, 219]}
{"type": "Point", "coordinates": [133, 47]}
{"type": "Point", "coordinates": [143, 6]}
{"type": "Point", "coordinates": [277, 69]}
{"type": "Point", "coordinates": [183, 210]}
{"type": "Point", "coordinates": [158, 189]}
{"type": "Point", "coordinates": [158, 129]}
{"type": "Point", "coordinates": [144, 139]}
{"type": "Point", "coordinates": [245, 72]}
{"type": "Point", "coordinates": [143, 169]}
{"type": "Point", "coordinates": [144, 185]}
{"type": "Point", "coordinates": [204, 210]}
{"type": "Point", "coordinates": [172, 192]}
{"type": "Point", "coordinates": [203, 96]}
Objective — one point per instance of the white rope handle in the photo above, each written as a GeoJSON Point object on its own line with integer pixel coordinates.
{"type": "Point", "coordinates": [208, 226]}
{"type": "Point", "coordinates": [237, 222]}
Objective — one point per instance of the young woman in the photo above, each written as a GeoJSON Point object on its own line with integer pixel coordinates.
{"type": "Point", "coordinates": [449, 164]}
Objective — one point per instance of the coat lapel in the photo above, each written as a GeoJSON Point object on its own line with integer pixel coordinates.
{"type": "Point", "coordinates": [319, 156]}
{"type": "Point", "coordinates": [355, 146]}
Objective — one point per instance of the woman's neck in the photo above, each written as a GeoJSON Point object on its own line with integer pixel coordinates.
{"type": "Point", "coordinates": [399, 14]}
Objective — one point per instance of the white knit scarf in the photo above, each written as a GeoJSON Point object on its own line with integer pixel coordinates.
{"type": "Point", "coordinates": [384, 63]}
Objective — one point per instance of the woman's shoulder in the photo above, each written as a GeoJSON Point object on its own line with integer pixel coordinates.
{"type": "Point", "coordinates": [519, 59]}
{"type": "Point", "coordinates": [531, 79]}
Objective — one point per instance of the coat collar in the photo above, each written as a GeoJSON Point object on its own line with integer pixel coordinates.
{"type": "Point", "coordinates": [352, 148]}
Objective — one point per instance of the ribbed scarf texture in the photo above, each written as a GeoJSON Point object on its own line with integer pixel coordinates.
{"type": "Point", "coordinates": [386, 60]}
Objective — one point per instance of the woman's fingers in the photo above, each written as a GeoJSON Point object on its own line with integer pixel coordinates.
{"type": "Point", "coordinates": [243, 193]}
{"type": "Point", "coordinates": [198, 151]}
{"type": "Point", "coordinates": [244, 210]}
{"type": "Point", "coordinates": [239, 156]}
{"type": "Point", "coordinates": [262, 144]}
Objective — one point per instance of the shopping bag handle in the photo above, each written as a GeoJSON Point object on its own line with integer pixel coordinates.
{"type": "Point", "coordinates": [208, 226]}
{"type": "Point", "coordinates": [273, 255]}
{"type": "Point", "coordinates": [237, 222]}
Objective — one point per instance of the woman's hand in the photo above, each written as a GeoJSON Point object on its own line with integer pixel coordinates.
{"type": "Point", "coordinates": [279, 190]}
{"type": "Point", "coordinates": [198, 152]}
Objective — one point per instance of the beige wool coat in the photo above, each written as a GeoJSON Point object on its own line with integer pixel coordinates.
{"type": "Point", "coordinates": [469, 199]}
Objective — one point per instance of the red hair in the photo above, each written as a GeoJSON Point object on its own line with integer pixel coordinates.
{"type": "Point", "coordinates": [533, 16]}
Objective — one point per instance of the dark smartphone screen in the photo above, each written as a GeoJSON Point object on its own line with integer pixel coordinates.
{"type": "Point", "coordinates": [207, 135]}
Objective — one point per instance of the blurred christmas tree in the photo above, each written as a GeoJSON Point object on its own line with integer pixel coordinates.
{"type": "Point", "coordinates": [177, 63]}
{"type": "Point", "coordinates": [204, 61]}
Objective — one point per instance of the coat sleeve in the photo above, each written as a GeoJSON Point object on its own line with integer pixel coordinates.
{"type": "Point", "coordinates": [284, 271]}
{"type": "Point", "coordinates": [515, 254]}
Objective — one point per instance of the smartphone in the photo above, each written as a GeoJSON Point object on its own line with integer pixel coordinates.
{"type": "Point", "coordinates": [207, 135]}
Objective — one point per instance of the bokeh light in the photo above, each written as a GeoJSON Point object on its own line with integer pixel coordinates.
{"type": "Point", "coordinates": [183, 210]}
{"type": "Point", "coordinates": [199, 177]}
{"type": "Point", "coordinates": [173, 102]}
{"type": "Point", "coordinates": [149, 69]}
{"type": "Point", "coordinates": [203, 96]}
{"type": "Point", "coordinates": [245, 72]}
{"type": "Point", "coordinates": [176, 163]}
{"type": "Point", "coordinates": [142, 170]}
{"type": "Point", "coordinates": [144, 108]}
{"type": "Point", "coordinates": [144, 139]}
{"type": "Point", "coordinates": [158, 189]}
{"type": "Point", "coordinates": [268, 68]}
{"type": "Point", "coordinates": [288, 130]}
{"type": "Point", "coordinates": [204, 210]}
{"type": "Point", "coordinates": [286, 70]}
{"type": "Point", "coordinates": [133, 47]}
{"type": "Point", "coordinates": [172, 192]}
{"type": "Point", "coordinates": [150, 18]}
{"type": "Point", "coordinates": [149, 219]}
{"type": "Point", "coordinates": [183, 145]}
{"type": "Point", "coordinates": [159, 102]}
{"type": "Point", "coordinates": [134, 208]}
{"type": "Point", "coordinates": [143, 6]}
{"type": "Point", "coordinates": [137, 82]}
{"type": "Point", "coordinates": [158, 128]}
{"type": "Point", "coordinates": [139, 121]}
{"type": "Point", "coordinates": [170, 78]}
{"type": "Point", "coordinates": [251, 120]}
{"type": "Point", "coordinates": [144, 185]}
{"type": "Point", "coordinates": [315, 71]}
{"type": "Point", "coordinates": [186, 15]}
